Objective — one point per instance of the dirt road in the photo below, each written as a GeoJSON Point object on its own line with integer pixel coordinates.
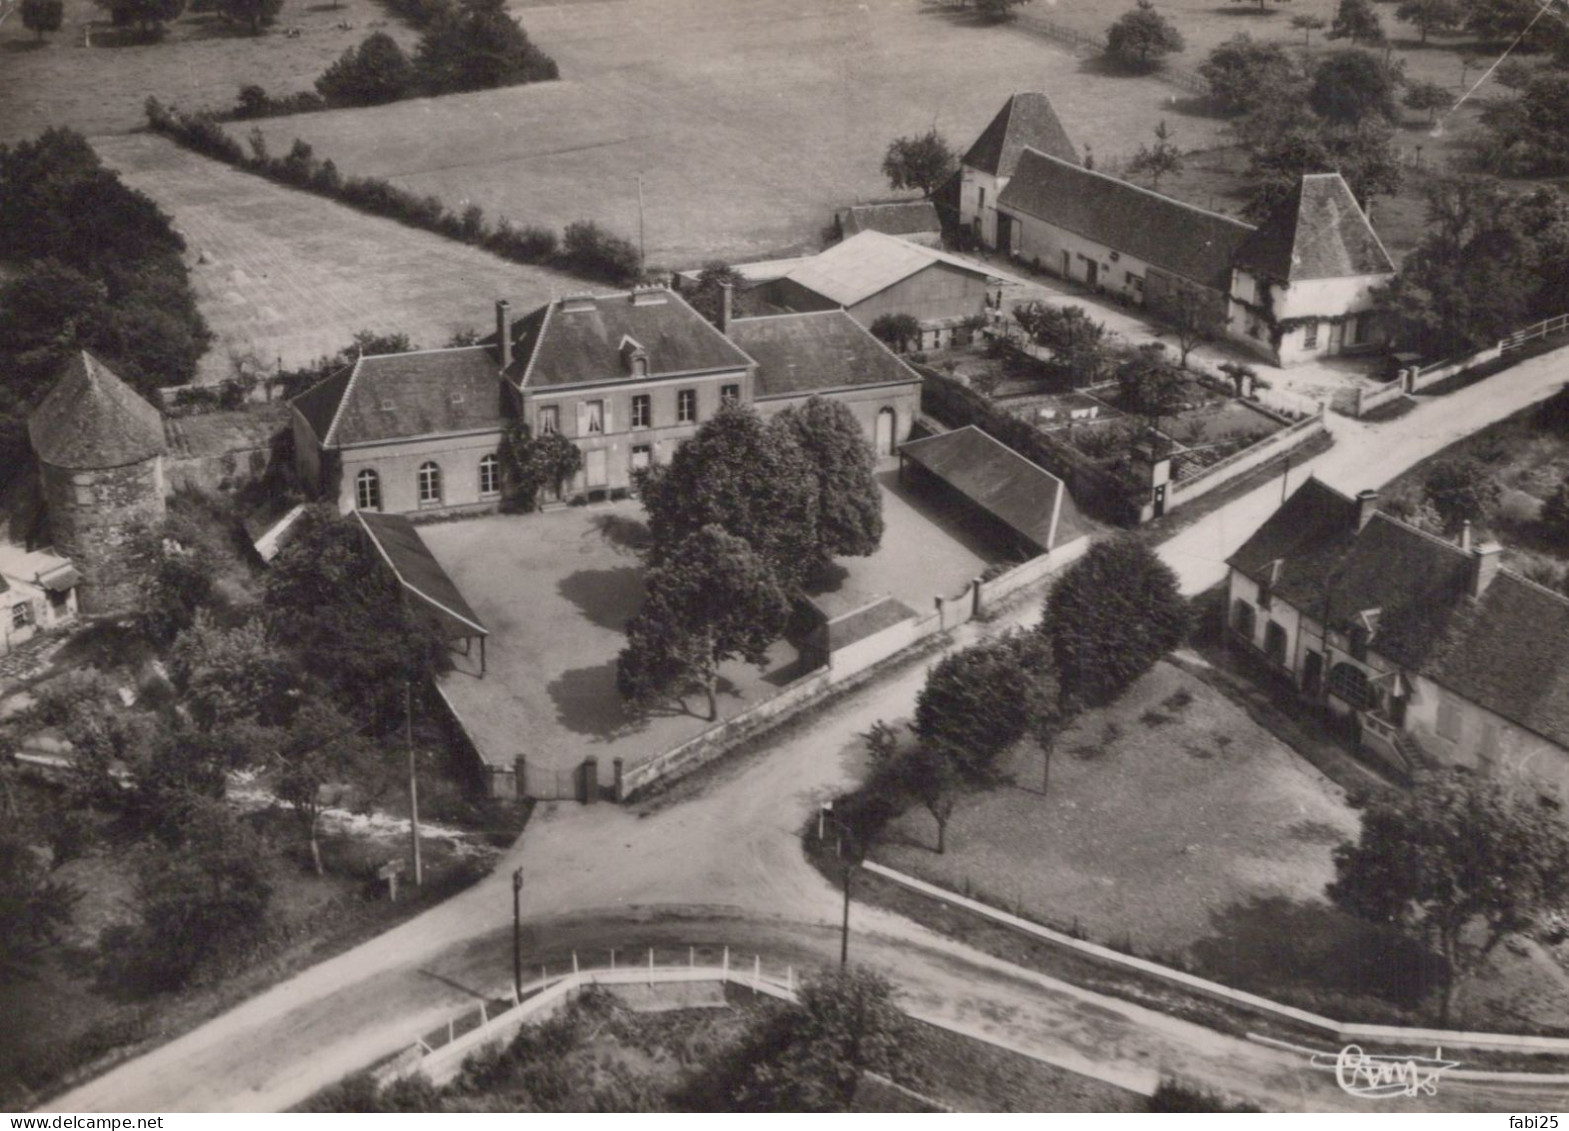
{"type": "Point", "coordinates": [719, 861]}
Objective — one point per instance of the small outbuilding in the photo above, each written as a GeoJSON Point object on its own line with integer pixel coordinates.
{"type": "Point", "coordinates": [432, 590]}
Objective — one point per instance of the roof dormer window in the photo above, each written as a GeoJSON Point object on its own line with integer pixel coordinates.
{"type": "Point", "coordinates": [389, 406]}
{"type": "Point", "coordinates": [634, 358]}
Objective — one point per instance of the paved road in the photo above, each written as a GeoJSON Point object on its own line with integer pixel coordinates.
{"type": "Point", "coordinates": [720, 862]}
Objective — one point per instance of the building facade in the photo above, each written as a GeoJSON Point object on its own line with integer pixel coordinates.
{"type": "Point", "coordinates": [1026, 120]}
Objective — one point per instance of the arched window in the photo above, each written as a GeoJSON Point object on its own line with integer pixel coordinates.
{"type": "Point", "coordinates": [1349, 683]}
{"type": "Point", "coordinates": [489, 477]}
{"type": "Point", "coordinates": [429, 485]}
{"type": "Point", "coordinates": [1243, 619]}
{"type": "Point", "coordinates": [367, 491]}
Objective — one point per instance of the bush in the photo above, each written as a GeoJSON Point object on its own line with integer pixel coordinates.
{"type": "Point", "coordinates": [375, 72]}
{"type": "Point", "coordinates": [590, 249]}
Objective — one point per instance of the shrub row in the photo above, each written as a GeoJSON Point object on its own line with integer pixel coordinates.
{"type": "Point", "coordinates": [586, 249]}
{"type": "Point", "coordinates": [255, 102]}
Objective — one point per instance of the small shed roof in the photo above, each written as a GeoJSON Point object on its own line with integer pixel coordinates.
{"type": "Point", "coordinates": [420, 574]}
{"type": "Point", "coordinates": [400, 395]}
{"type": "Point", "coordinates": [898, 218]}
{"type": "Point", "coordinates": [93, 420]}
{"type": "Point", "coordinates": [1017, 492]}
{"type": "Point", "coordinates": [868, 263]}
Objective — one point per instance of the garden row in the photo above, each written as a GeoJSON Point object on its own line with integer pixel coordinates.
{"type": "Point", "coordinates": [583, 248]}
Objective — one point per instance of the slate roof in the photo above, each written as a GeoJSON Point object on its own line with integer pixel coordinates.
{"type": "Point", "coordinates": [91, 420]}
{"type": "Point", "coordinates": [804, 353]}
{"type": "Point", "coordinates": [868, 263]}
{"type": "Point", "coordinates": [398, 396]}
{"type": "Point", "coordinates": [420, 574]}
{"type": "Point", "coordinates": [1009, 487]}
{"type": "Point", "coordinates": [905, 218]}
{"type": "Point", "coordinates": [1026, 120]}
{"type": "Point", "coordinates": [560, 345]}
{"type": "Point", "coordinates": [1506, 651]}
{"type": "Point", "coordinates": [1163, 232]}
{"type": "Point", "coordinates": [1318, 232]}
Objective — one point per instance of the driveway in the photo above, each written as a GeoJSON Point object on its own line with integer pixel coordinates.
{"type": "Point", "coordinates": [718, 861]}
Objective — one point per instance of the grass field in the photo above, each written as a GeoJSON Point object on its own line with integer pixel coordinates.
{"type": "Point", "coordinates": [749, 122]}
{"type": "Point", "coordinates": [284, 274]}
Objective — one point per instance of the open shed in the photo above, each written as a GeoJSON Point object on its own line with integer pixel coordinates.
{"type": "Point", "coordinates": [1025, 500]}
{"type": "Point", "coordinates": [424, 581]}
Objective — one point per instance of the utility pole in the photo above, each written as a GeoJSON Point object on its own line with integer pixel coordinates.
{"type": "Point", "coordinates": [517, 934]}
{"type": "Point", "coordinates": [844, 928]}
{"type": "Point", "coordinates": [1285, 479]}
{"type": "Point", "coordinates": [642, 254]}
{"type": "Point", "coordinates": [408, 730]}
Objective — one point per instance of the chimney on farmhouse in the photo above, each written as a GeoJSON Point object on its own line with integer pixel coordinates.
{"type": "Point", "coordinates": [504, 332]}
{"type": "Point", "coordinates": [726, 306]}
{"type": "Point", "coordinates": [1465, 536]}
{"type": "Point", "coordinates": [1486, 560]}
{"type": "Point", "coordinates": [1367, 506]}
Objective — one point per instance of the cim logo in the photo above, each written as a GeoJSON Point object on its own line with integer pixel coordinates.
{"type": "Point", "coordinates": [1375, 1077]}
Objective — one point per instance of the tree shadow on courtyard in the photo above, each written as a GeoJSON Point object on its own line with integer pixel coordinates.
{"type": "Point", "coordinates": [607, 598]}
{"type": "Point", "coordinates": [1319, 957]}
{"type": "Point", "coordinates": [627, 536]}
{"type": "Point", "coordinates": [588, 702]}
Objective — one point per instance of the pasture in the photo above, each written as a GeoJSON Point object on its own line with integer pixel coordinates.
{"type": "Point", "coordinates": [286, 275]}
{"type": "Point", "coordinates": [748, 123]}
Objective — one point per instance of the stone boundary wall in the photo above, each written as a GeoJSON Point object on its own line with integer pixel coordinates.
{"type": "Point", "coordinates": [1219, 474]}
{"type": "Point", "coordinates": [1343, 1031]}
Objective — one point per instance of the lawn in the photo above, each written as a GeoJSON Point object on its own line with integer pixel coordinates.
{"type": "Point", "coordinates": [748, 123]}
{"type": "Point", "coordinates": [1177, 828]}
{"type": "Point", "coordinates": [284, 275]}
{"type": "Point", "coordinates": [556, 589]}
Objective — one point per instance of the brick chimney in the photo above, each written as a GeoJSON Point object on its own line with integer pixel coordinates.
{"type": "Point", "coordinates": [1367, 506]}
{"type": "Point", "coordinates": [504, 332]}
{"type": "Point", "coordinates": [726, 306]}
{"type": "Point", "coordinates": [1486, 560]}
{"type": "Point", "coordinates": [1465, 536]}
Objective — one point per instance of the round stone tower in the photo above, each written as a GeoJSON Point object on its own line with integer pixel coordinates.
{"type": "Point", "coordinates": [100, 451]}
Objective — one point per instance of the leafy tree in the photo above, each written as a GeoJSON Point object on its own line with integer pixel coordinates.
{"type": "Point", "coordinates": [1191, 317]}
{"type": "Point", "coordinates": [711, 600]}
{"type": "Point", "coordinates": [997, 9]}
{"type": "Point", "coordinates": [1458, 858]}
{"type": "Point", "coordinates": [149, 16]}
{"type": "Point", "coordinates": [934, 778]}
{"type": "Point", "coordinates": [1363, 154]}
{"type": "Point", "coordinates": [1158, 160]}
{"type": "Point", "coordinates": [1242, 71]}
{"type": "Point", "coordinates": [849, 503]}
{"type": "Point", "coordinates": [708, 296]}
{"type": "Point", "coordinates": [1263, 5]}
{"type": "Point", "coordinates": [1527, 134]}
{"type": "Point", "coordinates": [1148, 385]}
{"type": "Point", "coordinates": [594, 251]}
{"type": "Point", "coordinates": [1307, 24]}
{"type": "Point", "coordinates": [920, 161]}
{"type": "Point", "coordinates": [750, 479]}
{"type": "Point", "coordinates": [897, 330]}
{"type": "Point", "coordinates": [196, 901]}
{"type": "Point", "coordinates": [1429, 96]}
{"type": "Point", "coordinates": [477, 45]}
{"type": "Point", "coordinates": [1499, 21]}
{"type": "Point", "coordinates": [377, 71]}
{"type": "Point", "coordinates": [530, 463]}
{"type": "Point", "coordinates": [1173, 1096]}
{"type": "Point", "coordinates": [33, 907]}
{"type": "Point", "coordinates": [1240, 375]}
{"type": "Point", "coordinates": [1555, 514]}
{"type": "Point", "coordinates": [39, 16]}
{"type": "Point", "coordinates": [1351, 86]}
{"type": "Point", "coordinates": [1114, 612]}
{"type": "Point", "coordinates": [1358, 21]}
{"type": "Point", "coordinates": [1428, 16]}
{"type": "Point", "coordinates": [1077, 341]}
{"type": "Point", "coordinates": [844, 1025]}
{"type": "Point", "coordinates": [329, 597]}
{"type": "Point", "coordinates": [254, 14]}
{"type": "Point", "coordinates": [1467, 283]}
{"type": "Point", "coordinates": [1141, 39]}
{"type": "Point", "coordinates": [322, 759]}
{"type": "Point", "coordinates": [1461, 490]}
{"type": "Point", "coordinates": [229, 675]}
{"type": "Point", "coordinates": [976, 701]}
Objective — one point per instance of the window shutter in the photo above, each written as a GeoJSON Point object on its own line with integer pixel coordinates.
{"type": "Point", "coordinates": [582, 418]}
{"type": "Point", "coordinates": [608, 427]}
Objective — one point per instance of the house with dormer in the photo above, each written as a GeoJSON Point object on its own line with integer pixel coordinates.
{"type": "Point", "coordinates": [1430, 649]}
{"type": "Point", "coordinates": [626, 377]}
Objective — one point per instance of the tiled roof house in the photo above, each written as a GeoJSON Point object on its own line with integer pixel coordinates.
{"type": "Point", "coordinates": [1026, 121]}
{"type": "Point", "coordinates": [1431, 646]}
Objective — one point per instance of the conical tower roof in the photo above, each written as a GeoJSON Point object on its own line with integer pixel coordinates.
{"type": "Point", "coordinates": [1317, 232]}
{"type": "Point", "coordinates": [92, 420]}
{"type": "Point", "coordinates": [1025, 120]}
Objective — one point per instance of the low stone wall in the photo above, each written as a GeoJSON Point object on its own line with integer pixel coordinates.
{"type": "Point", "coordinates": [1416, 380]}
{"type": "Point", "coordinates": [1369, 399]}
{"type": "Point", "coordinates": [1219, 474]}
{"type": "Point", "coordinates": [990, 594]}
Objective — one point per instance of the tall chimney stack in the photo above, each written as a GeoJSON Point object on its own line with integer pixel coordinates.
{"type": "Point", "coordinates": [1367, 506]}
{"type": "Point", "coordinates": [1486, 560]}
{"type": "Point", "coordinates": [1465, 536]}
{"type": "Point", "coordinates": [726, 306]}
{"type": "Point", "coordinates": [504, 332]}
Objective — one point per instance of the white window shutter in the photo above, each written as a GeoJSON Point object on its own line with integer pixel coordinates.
{"type": "Point", "coordinates": [582, 418]}
{"type": "Point", "coordinates": [608, 428]}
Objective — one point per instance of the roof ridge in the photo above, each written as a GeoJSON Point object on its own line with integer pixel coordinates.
{"type": "Point", "coordinates": [1141, 189]}
{"type": "Point", "coordinates": [1514, 575]}
{"type": "Point", "coordinates": [343, 401]}
{"type": "Point", "coordinates": [410, 353]}
{"type": "Point", "coordinates": [982, 432]}
{"type": "Point", "coordinates": [539, 338]}
{"type": "Point", "coordinates": [723, 337]}
{"type": "Point", "coordinates": [405, 582]}
{"type": "Point", "coordinates": [1436, 539]}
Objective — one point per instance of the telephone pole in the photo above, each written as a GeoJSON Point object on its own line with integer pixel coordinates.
{"type": "Point", "coordinates": [642, 253]}
{"type": "Point", "coordinates": [408, 731]}
{"type": "Point", "coordinates": [517, 934]}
